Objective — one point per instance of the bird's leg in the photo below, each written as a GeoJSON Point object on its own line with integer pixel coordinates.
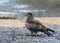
{"type": "Point", "coordinates": [36, 32]}
{"type": "Point", "coordinates": [32, 32]}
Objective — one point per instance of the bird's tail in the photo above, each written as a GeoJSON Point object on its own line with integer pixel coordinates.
{"type": "Point", "coordinates": [50, 30]}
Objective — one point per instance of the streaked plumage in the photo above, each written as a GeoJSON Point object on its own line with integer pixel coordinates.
{"type": "Point", "coordinates": [36, 26]}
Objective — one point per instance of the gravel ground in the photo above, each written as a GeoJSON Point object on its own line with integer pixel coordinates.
{"type": "Point", "coordinates": [22, 35]}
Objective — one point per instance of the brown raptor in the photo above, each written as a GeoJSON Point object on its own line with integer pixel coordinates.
{"type": "Point", "coordinates": [36, 26]}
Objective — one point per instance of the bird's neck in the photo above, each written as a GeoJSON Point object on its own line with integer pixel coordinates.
{"type": "Point", "coordinates": [29, 19]}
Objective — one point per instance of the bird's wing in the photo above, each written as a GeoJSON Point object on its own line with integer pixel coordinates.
{"type": "Point", "coordinates": [33, 24]}
{"type": "Point", "coordinates": [38, 24]}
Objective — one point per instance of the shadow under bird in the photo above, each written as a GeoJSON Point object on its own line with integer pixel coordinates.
{"type": "Point", "coordinates": [36, 26]}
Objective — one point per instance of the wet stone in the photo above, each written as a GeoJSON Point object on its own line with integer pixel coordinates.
{"type": "Point", "coordinates": [22, 35]}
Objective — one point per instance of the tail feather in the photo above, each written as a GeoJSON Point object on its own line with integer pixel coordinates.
{"type": "Point", "coordinates": [50, 30]}
{"type": "Point", "coordinates": [48, 33]}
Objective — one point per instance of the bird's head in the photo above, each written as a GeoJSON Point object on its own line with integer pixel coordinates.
{"type": "Point", "coordinates": [29, 14]}
{"type": "Point", "coordinates": [29, 17]}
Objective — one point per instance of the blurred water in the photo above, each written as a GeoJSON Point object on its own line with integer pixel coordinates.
{"type": "Point", "coordinates": [23, 6]}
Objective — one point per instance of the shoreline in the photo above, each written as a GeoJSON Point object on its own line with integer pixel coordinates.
{"type": "Point", "coordinates": [20, 23]}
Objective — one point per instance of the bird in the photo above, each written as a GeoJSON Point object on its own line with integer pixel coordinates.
{"type": "Point", "coordinates": [35, 26]}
